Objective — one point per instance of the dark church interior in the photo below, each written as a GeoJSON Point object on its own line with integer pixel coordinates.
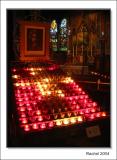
{"type": "Point", "coordinates": [58, 78]}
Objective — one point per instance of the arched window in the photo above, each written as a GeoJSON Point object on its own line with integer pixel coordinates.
{"type": "Point", "coordinates": [53, 35]}
{"type": "Point", "coordinates": [63, 36]}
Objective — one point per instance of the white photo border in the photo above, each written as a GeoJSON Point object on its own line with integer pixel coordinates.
{"type": "Point", "coordinates": [54, 153]}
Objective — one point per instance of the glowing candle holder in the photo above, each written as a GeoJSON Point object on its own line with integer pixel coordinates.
{"type": "Point", "coordinates": [48, 99]}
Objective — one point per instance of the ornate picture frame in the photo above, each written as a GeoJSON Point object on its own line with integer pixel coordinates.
{"type": "Point", "coordinates": [34, 41]}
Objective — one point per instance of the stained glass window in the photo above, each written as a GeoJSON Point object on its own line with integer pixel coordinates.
{"type": "Point", "coordinates": [59, 35]}
{"type": "Point", "coordinates": [53, 35]}
{"type": "Point", "coordinates": [63, 36]}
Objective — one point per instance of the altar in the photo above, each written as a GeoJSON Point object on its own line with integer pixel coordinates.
{"type": "Point", "coordinates": [75, 69]}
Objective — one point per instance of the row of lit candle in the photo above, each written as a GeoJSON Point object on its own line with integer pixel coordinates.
{"type": "Point", "coordinates": [51, 124]}
{"type": "Point", "coordinates": [42, 87]}
{"type": "Point", "coordinates": [61, 122]}
{"type": "Point", "coordinates": [101, 75]}
{"type": "Point", "coordinates": [39, 114]}
{"type": "Point", "coordinates": [60, 78]}
{"type": "Point", "coordinates": [57, 110]}
{"type": "Point", "coordinates": [69, 105]}
{"type": "Point", "coordinates": [27, 101]}
{"type": "Point", "coordinates": [95, 115]}
{"type": "Point", "coordinates": [50, 68]}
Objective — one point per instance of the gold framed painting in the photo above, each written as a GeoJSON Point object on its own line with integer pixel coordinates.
{"type": "Point", "coordinates": [34, 41]}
